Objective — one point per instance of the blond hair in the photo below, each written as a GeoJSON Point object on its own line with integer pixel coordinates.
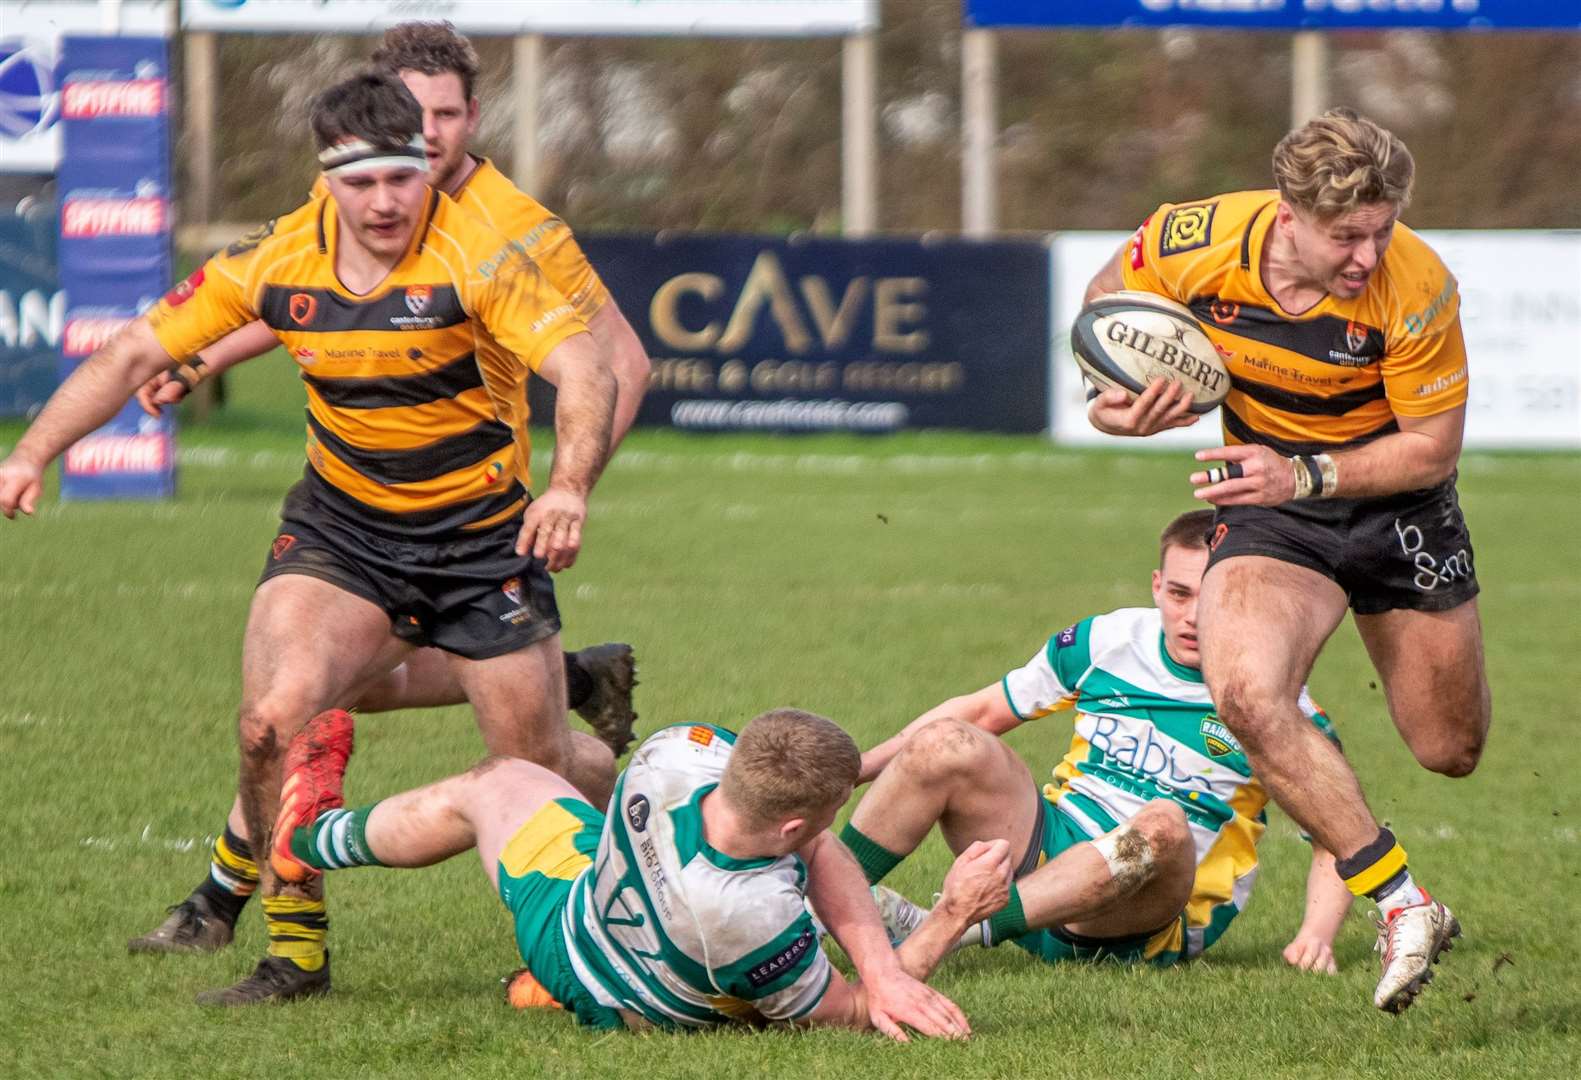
{"type": "Point", "coordinates": [787, 764]}
{"type": "Point", "coordinates": [1339, 162]}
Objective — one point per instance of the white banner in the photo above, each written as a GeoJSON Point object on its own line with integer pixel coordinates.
{"type": "Point", "coordinates": [1520, 309]}
{"type": "Point", "coordinates": [30, 33]}
{"type": "Point", "coordinates": [631, 17]}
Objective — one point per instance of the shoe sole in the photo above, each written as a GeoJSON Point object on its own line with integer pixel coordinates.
{"type": "Point", "coordinates": [1407, 994]}
{"type": "Point", "coordinates": [614, 723]}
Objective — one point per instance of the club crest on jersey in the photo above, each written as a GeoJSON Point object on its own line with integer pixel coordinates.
{"type": "Point", "coordinates": [1224, 312]}
{"type": "Point", "coordinates": [303, 307]}
{"type": "Point", "coordinates": [1355, 336]}
{"type": "Point", "coordinates": [184, 290]}
{"type": "Point", "coordinates": [418, 297]}
{"type": "Point", "coordinates": [1186, 228]}
{"type": "Point", "coordinates": [493, 472]}
{"type": "Point", "coordinates": [513, 590]}
{"type": "Point", "coordinates": [637, 809]}
{"type": "Point", "coordinates": [1218, 739]}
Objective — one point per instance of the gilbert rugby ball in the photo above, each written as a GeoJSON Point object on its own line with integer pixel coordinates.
{"type": "Point", "coordinates": [1130, 338]}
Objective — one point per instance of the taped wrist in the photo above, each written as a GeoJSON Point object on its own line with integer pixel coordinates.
{"type": "Point", "coordinates": [188, 372]}
{"type": "Point", "coordinates": [1316, 476]}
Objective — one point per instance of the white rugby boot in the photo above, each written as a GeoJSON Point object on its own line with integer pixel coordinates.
{"type": "Point", "coordinates": [1411, 940]}
{"type": "Point", "coordinates": [901, 916]}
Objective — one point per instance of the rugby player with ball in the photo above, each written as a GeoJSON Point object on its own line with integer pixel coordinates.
{"type": "Point", "coordinates": [1340, 332]}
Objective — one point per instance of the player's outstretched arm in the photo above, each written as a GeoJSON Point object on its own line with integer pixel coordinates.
{"type": "Point", "coordinates": [893, 997]}
{"type": "Point", "coordinates": [977, 885]}
{"type": "Point", "coordinates": [584, 408]}
{"type": "Point", "coordinates": [164, 389]}
{"type": "Point", "coordinates": [985, 708]}
{"type": "Point", "coordinates": [1328, 902]}
{"type": "Point", "coordinates": [629, 362]}
{"type": "Point", "coordinates": [86, 401]}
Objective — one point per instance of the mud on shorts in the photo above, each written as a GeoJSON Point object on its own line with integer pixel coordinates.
{"type": "Point", "coordinates": [1055, 832]}
{"type": "Point", "coordinates": [537, 868]}
{"type": "Point", "coordinates": [1409, 550]}
{"type": "Point", "coordinates": [472, 596]}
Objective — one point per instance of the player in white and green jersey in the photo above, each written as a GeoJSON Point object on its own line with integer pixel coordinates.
{"type": "Point", "coordinates": [686, 907]}
{"type": "Point", "coordinates": [1143, 846]}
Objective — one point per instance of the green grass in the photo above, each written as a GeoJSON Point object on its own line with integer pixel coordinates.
{"type": "Point", "coordinates": [866, 579]}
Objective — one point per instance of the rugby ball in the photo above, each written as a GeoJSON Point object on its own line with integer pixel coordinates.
{"type": "Point", "coordinates": [1130, 338]}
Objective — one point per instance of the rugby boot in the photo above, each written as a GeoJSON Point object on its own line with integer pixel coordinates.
{"type": "Point", "coordinates": [193, 926]}
{"type": "Point", "coordinates": [901, 916]}
{"type": "Point", "coordinates": [315, 765]}
{"type": "Point", "coordinates": [274, 979]}
{"type": "Point", "coordinates": [608, 709]}
{"type": "Point", "coordinates": [1411, 940]}
{"type": "Point", "coordinates": [524, 991]}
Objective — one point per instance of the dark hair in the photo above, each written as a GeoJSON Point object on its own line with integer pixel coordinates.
{"type": "Point", "coordinates": [371, 105]}
{"type": "Point", "coordinates": [433, 48]}
{"type": "Point", "coordinates": [1190, 531]}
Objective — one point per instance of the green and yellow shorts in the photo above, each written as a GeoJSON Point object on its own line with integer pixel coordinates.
{"type": "Point", "coordinates": [537, 869]}
{"type": "Point", "coordinates": [1162, 947]}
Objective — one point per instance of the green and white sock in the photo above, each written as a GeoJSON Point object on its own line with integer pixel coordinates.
{"type": "Point", "coordinates": [338, 840]}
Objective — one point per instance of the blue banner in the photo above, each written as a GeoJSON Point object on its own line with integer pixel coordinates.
{"type": "Point", "coordinates": [115, 226]}
{"type": "Point", "coordinates": [763, 333]}
{"type": "Point", "coordinates": [1279, 14]}
{"type": "Point", "coordinates": [32, 312]}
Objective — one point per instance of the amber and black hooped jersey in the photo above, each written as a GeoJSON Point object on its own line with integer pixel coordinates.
{"type": "Point", "coordinates": [1337, 375]}
{"type": "Point", "coordinates": [416, 429]}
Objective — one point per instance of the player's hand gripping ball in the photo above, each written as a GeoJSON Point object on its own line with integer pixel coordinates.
{"type": "Point", "coordinates": [1128, 339]}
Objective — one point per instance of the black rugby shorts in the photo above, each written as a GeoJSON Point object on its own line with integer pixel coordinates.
{"type": "Point", "coordinates": [472, 596]}
{"type": "Point", "coordinates": [1410, 550]}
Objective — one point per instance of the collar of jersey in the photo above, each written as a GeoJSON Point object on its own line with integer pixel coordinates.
{"type": "Point", "coordinates": [1176, 668]}
{"type": "Point", "coordinates": [1254, 270]}
{"type": "Point", "coordinates": [329, 239]}
{"type": "Point", "coordinates": [690, 842]}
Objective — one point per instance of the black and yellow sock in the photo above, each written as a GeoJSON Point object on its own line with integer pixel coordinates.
{"type": "Point", "coordinates": [1378, 872]}
{"type": "Point", "coordinates": [297, 930]}
{"type": "Point", "coordinates": [233, 876]}
{"type": "Point", "coordinates": [1008, 922]}
{"type": "Point", "coordinates": [875, 859]}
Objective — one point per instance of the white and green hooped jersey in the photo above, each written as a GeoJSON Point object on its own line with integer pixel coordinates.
{"type": "Point", "coordinates": [664, 925]}
{"type": "Point", "coordinates": [1146, 729]}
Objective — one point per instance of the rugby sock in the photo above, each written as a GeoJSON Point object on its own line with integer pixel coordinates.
{"type": "Point", "coordinates": [875, 859]}
{"type": "Point", "coordinates": [233, 876]}
{"type": "Point", "coordinates": [1006, 923]}
{"type": "Point", "coordinates": [297, 929]}
{"type": "Point", "coordinates": [337, 840]}
{"type": "Point", "coordinates": [578, 683]}
{"type": "Point", "coordinates": [1378, 871]}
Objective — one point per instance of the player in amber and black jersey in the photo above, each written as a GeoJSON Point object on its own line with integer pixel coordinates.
{"type": "Point", "coordinates": [413, 524]}
{"type": "Point", "coordinates": [1341, 331]}
{"type": "Point", "coordinates": [439, 67]}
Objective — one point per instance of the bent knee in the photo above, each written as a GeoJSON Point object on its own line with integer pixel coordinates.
{"type": "Point", "coordinates": [264, 730]}
{"type": "Point", "coordinates": [1453, 760]}
{"type": "Point", "coordinates": [1253, 711]}
{"type": "Point", "coordinates": [946, 747]}
{"type": "Point", "coordinates": [1162, 824]}
{"type": "Point", "coordinates": [499, 771]}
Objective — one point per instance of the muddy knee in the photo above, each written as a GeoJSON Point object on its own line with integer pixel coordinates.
{"type": "Point", "coordinates": [945, 749]}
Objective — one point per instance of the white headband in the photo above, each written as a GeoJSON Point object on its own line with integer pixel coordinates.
{"type": "Point", "coordinates": [358, 155]}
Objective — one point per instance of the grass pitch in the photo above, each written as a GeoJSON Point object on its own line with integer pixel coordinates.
{"type": "Point", "coordinates": [865, 579]}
